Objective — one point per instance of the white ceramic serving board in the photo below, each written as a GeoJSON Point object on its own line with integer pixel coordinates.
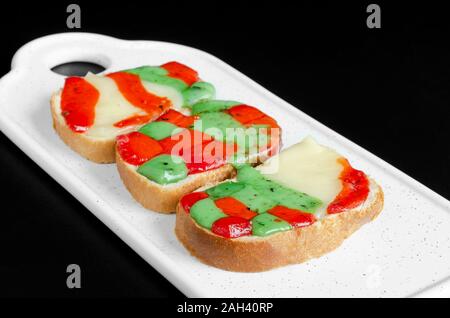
{"type": "Point", "coordinates": [405, 252]}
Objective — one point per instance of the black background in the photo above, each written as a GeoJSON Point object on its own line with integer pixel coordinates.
{"type": "Point", "coordinates": [385, 89]}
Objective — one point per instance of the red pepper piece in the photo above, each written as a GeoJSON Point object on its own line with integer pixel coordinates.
{"type": "Point", "coordinates": [136, 148]}
{"type": "Point", "coordinates": [355, 189]}
{"type": "Point", "coordinates": [131, 87]}
{"type": "Point", "coordinates": [78, 100]}
{"type": "Point", "coordinates": [232, 227]}
{"type": "Point", "coordinates": [178, 119]}
{"type": "Point", "coordinates": [234, 207]}
{"type": "Point", "coordinates": [182, 72]}
{"type": "Point", "coordinates": [190, 199]}
{"type": "Point", "coordinates": [197, 167]}
{"type": "Point", "coordinates": [266, 120]}
{"type": "Point", "coordinates": [296, 218]}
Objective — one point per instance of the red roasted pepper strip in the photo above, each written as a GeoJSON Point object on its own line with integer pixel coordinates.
{"type": "Point", "coordinates": [232, 227]}
{"type": "Point", "coordinates": [245, 114]}
{"type": "Point", "coordinates": [136, 148]}
{"type": "Point", "coordinates": [78, 100]}
{"type": "Point", "coordinates": [131, 87]}
{"type": "Point", "coordinates": [182, 72]}
{"type": "Point", "coordinates": [178, 119]}
{"type": "Point", "coordinates": [133, 121]}
{"type": "Point", "coordinates": [234, 207]}
{"type": "Point", "coordinates": [355, 189]}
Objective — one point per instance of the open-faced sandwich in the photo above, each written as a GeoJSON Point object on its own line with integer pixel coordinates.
{"type": "Point", "coordinates": [298, 205]}
{"type": "Point", "coordinates": [177, 154]}
{"type": "Point", "coordinates": [91, 111]}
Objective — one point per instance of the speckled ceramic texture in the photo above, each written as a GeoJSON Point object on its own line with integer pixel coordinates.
{"type": "Point", "coordinates": [405, 252]}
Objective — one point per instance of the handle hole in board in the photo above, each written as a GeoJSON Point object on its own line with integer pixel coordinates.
{"type": "Point", "coordinates": [77, 68]}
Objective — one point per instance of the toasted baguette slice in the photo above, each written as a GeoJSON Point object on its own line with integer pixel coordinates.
{"type": "Point", "coordinates": [290, 247]}
{"type": "Point", "coordinates": [164, 198]}
{"type": "Point", "coordinates": [97, 150]}
{"type": "Point", "coordinates": [118, 105]}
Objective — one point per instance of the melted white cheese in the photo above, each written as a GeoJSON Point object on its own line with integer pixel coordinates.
{"type": "Point", "coordinates": [307, 167]}
{"type": "Point", "coordinates": [112, 106]}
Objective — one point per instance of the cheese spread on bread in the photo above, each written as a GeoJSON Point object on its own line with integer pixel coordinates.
{"type": "Point", "coordinates": [307, 167]}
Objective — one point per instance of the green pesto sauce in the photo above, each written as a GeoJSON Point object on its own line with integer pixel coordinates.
{"type": "Point", "coordinates": [253, 199]}
{"type": "Point", "coordinates": [266, 224]}
{"type": "Point", "coordinates": [159, 129]}
{"type": "Point", "coordinates": [199, 91]}
{"type": "Point", "coordinates": [212, 106]}
{"type": "Point", "coordinates": [205, 213]}
{"type": "Point", "coordinates": [259, 194]}
{"type": "Point", "coordinates": [163, 169]}
{"type": "Point", "coordinates": [249, 139]}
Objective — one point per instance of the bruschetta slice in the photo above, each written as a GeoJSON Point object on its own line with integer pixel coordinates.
{"type": "Point", "coordinates": [298, 205]}
{"type": "Point", "coordinates": [177, 153]}
{"type": "Point", "coordinates": [90, 112]}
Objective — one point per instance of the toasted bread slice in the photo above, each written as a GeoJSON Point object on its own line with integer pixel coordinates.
{"type": "Point", "coordinates": [100, 108]}
{"type": "Point", "coordinates": [284, 248]}
{"type": "Point", "coordinates": [298, 205]}
{"type": "Point", "coordinates": [158, 183]}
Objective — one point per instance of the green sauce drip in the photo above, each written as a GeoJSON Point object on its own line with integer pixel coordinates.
{"type": "Point", "coordinates": [163, 169]}
{"type": "Point", "coordinates": [225, 128]}
{"type": "Point", "coordinates": [199, 91]}
{"type": "Point", "coordinates": [266, 224]}
{"type": "Point", "coordinates": [158, 75]}
{"type": "Point", "coordinates": [239, 160]}
{"type": "Point", "coordinates": [247, 174]}
{"type": "Point", "coordinates": [224, 189]}
{"type": "Point", "coordinates": [159, 130]}
{"type": "Point", "coordinates": [212, 106]}
{"type": "Point", "coordinates": [205, 213]}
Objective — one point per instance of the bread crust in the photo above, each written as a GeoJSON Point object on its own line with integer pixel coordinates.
{"type": "Point", "coordinates": [254, 254]}
{"type": "Point", "coordinates": [99, 151]}
{"type": "Point", "coordinates": [164, 199]}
